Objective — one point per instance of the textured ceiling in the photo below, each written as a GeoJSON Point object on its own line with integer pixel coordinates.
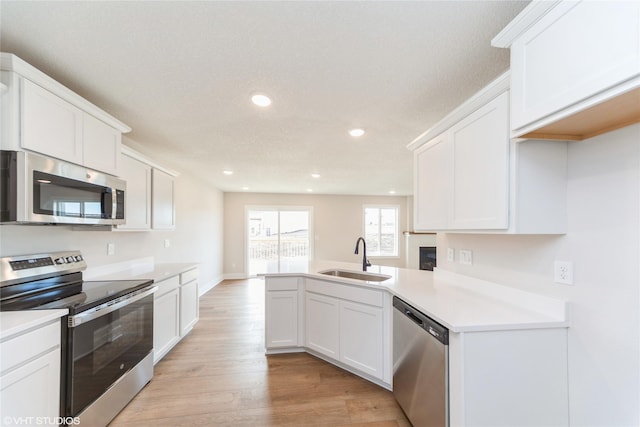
{"type": "Point", "coordinates": [181, 75]}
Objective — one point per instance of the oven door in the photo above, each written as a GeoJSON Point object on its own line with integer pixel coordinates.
{"type": "Point", "coordinates": [103, 344]}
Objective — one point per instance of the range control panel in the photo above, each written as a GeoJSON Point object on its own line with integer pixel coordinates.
{"type": "Point", "coordinates": [14, 269]}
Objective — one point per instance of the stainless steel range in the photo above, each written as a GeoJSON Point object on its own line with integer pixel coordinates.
{"type": "Point", "coordinates": [107, 338]}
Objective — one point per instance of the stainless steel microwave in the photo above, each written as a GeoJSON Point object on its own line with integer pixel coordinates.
{"type": "Point", "coordinates": [38, 189]}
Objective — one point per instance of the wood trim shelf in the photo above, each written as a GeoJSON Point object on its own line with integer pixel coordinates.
{"type": "Point", "coordinates": [616, 113]}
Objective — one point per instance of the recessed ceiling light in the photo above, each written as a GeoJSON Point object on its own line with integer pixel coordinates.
{"type": "Point", "coordinates": [245, 188]}
{"type": "Point", "coordinates": [315, 175]}
{"type": "Point", "coordinates": [392, 191]}
{"type": "Point", "coordinates": [227, 172]}
{"type": "Point", "coordinates": [356, 132]}
{"type": "Point", "coordinates": [261, 100]}
{"type": "Point", "coordinates": [309, 190]}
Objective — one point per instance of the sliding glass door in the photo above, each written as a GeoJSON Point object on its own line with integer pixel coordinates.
{"type": "Point", "coordinates": [278, 237]}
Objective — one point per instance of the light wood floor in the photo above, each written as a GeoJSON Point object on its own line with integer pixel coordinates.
{"type": "Point", "coordinates": [219, 376]}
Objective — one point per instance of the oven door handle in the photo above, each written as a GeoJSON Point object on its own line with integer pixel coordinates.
{"type": "Point", "coordinates": [109, 307]}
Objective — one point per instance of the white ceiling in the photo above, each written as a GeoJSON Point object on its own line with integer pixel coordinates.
{"type": "Point", "coordinates": [181, 75]}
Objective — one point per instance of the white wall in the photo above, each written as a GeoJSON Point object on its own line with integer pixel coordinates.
{"type": "Point", "coordinates": [197, 238]}
{"type": "Point", "coordinates": [603, 242]}
{"type": "Point", "coordinates": [338, 223]}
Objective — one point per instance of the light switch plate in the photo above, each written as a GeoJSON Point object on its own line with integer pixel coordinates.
{"type": "Point", "coordinates": [465, 256]}
{"type": "Point", "coordinates": [451, 257]}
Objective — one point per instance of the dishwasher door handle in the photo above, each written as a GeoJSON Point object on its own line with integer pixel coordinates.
{"type": "Point", "coordinates": [413, 317]}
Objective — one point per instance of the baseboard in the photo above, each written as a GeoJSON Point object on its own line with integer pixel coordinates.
{"type": "Point", "coordinates": [204, 288]}
{"type": "Point", "coordinates": [235, 276]}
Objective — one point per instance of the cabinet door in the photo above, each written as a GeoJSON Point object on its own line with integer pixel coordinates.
{"type": "Point", "coordinates": [432, 178]}
{"type": "Point", "coordinates": [361, 337]}
{"type": "Point", "coordinates": [162, 199]}
{"type": "Point", "coordinates": [101, 145]}
{"type": "Point", "coordinates": [189, 307]}
{"type": "Point", "coordinates": [576, 50]}
{"type": "Point", "coordinates": [281, 323]}
{"type": "Point", "coordinates": [33, 389]}
{"type": "Point", "coordinates": [480, 144]}
{"type": "Point", "coordinates": [166, 323]}
{"type": "Point", "coordinates": [322, 324]}
{"type": "Point", "coordinates": [138, 194]}
{"type": "Point", "coordinates": [50, 125]}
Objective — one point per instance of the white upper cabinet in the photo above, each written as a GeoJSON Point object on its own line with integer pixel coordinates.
{"type": "Point", "coordinates": [41, 115]}
{"type": "Point", "coordinates": [138, 194]}
{"type": "Point", "coordinates": [163, 215]}
{"type": "Point", "coordinates": [49, 124]}
{"type": "Point", "coordinates": [101, 145]}
{"type": "Point", "coordinates": [470, 176]}
{"type": "Point", "coordinates": [431, 166]}
{"type": "Point", "coordinates": [575, 68]}
{"type": "Point", "coordinates": [480, 170]}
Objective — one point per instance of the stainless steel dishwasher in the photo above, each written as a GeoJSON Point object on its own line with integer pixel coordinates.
{"type": "Point", "coordinates": [420, 366]}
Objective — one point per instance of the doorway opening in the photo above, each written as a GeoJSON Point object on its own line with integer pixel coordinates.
{"type": "Point", "coordinates": [278, 238]}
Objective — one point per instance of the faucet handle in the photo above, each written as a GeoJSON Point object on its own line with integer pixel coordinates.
{"type": "Point", "coordinates": [368, 263]}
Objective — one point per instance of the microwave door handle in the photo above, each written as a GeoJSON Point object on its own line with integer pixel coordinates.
{"type": "Point", "coordinates": [107, 203]}
{"type": "Point", "coordinates": [114, 203]}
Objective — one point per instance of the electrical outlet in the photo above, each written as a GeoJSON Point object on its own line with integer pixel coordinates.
{"type": "Point", "coordinates": [465, 256]}
{"type": "Point", "coordinates": [563, 272]}
{"type": "Point", "coordinates": [111, 248]}
{"type": "Point", "coordinates": [451, 257]}
{"type": "Point", "coordinates": [167, 243]}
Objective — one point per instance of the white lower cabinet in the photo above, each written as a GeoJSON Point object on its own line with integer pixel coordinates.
{"type": "Point", "coordinates": [361, 337]}
{"type": "Point", "coordinates": [175, 311]}
{"type": "Point", "coordinates": [189, 302]}
{"type": "Point", "coordinates": [283, 320]}
{"type": "Point", "coordinates": [509, 378]}
{"type": "Point", "coordinates": [322, 321]}
{"type": "Point", "coordinates": [283, 316]}
{"type": "Point", "coordinates": [347, 324]}
{"type": "Point", "coordinates": [166, 317]}
{"type": "Point", "coordinates": [30, 383]}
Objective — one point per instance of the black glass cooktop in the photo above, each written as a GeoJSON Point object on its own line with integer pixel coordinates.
{"type": "Point", "coordinates": [66, 291]}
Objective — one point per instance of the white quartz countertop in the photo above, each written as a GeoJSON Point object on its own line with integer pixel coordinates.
{"type": "Point", "coordinates": [16, 322]}
{"type": "Point", "coordinates": [461, 303]}
{"type": "Point", "coordinates": [157, 272]}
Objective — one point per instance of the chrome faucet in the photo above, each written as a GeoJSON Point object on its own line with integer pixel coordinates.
{"type": "Point", "coordinates": [365, 261]}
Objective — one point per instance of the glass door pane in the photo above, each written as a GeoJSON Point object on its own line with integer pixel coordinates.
{"type": "Point", "coordinates": [294, 238]}
{"type": "Point", "coordinates": [277, 237]}
{"type": "Point", "coordinates": [263, 241]}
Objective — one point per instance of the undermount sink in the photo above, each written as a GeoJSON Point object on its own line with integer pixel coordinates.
{"type": "Point", "coordinates": [358, 275]}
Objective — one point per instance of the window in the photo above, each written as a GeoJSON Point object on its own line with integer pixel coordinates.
{"type": "Point", "coordinates": [381, 230]}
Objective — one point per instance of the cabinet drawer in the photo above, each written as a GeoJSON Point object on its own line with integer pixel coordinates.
{"type": "Point", "coordinates": [347, 292]}
{"type": "Point", "coordinates": [23, 347]}
{"type": "Point", "coordinates": [188, 276]}
{"type": "Point", "coordinates": [167, 285]}
{"type": "Point", "coordinates": [281, 283]}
